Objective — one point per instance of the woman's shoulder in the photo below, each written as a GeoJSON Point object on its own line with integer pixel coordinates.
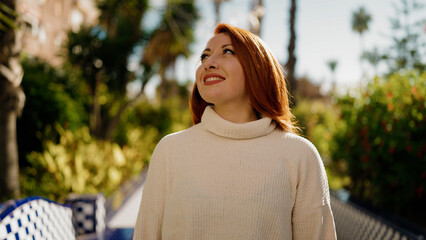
{"type": "Point", "coordinates": [180, 137]}
{"type": "Point", "coordinates": [296, 143]}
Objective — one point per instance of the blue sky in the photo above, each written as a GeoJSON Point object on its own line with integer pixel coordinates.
{"type": "Point", "coordinates": [323, 31]}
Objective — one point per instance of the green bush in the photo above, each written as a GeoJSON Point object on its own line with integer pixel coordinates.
{"type": "Point", "coordinates": [80, 164]}
{"type": "Point", "coordinates": [316, 118]}
{"type": "Point", "coordinates": [52, 95]}
{"type": "Point", "coordinates": [169, 116]}
{"type": "Point", "coordinates": [381, 139]}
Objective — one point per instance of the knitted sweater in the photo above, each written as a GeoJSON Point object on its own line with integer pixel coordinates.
{"type": "Point", "coordinates": [222, 180]}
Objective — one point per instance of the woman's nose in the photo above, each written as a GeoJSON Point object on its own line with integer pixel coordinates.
{"type": "Point", "coordinates": [210, 63]}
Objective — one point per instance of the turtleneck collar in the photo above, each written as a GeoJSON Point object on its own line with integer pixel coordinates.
{"type": "Point", "coordinates": [219, 126]}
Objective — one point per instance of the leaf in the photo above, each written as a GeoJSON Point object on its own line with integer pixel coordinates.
{"type": "Point", "coordinates": [9, 22]}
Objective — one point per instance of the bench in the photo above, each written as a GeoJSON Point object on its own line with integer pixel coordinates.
{"type": "Point", "coordinates": [35, 218]}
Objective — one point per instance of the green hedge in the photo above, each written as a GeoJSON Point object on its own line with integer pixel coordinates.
{"type": "Point", "coordinates": [382, 141]}
{"type": "Point", "coordinates": [81, 164]}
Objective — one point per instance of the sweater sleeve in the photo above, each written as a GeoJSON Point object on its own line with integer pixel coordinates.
{"type": "Point", "coordinates": [150, 217]}
{"type": "Point", "coordinates": [312, 216]}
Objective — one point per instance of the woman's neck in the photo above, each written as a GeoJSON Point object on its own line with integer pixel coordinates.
{"type": "Point", "coordinates": [236, 114]}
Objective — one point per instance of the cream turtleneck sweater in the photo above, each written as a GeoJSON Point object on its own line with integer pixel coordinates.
{"type": "Point", "coordinates": [222, 180]}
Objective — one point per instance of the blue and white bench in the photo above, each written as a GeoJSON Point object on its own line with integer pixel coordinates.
{"type": "Point", "coordinates": [35, 218]}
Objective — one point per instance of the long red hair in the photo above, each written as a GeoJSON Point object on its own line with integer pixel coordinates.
{"type": "Point", "coordinates": [264, 79]}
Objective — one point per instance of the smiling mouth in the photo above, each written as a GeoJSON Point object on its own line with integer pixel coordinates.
{"type": "Point", "coordinates": [213, 80]}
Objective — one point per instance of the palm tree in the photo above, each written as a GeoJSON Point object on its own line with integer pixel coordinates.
{"type": "Point", "coordinates": [360, 21]}
{"type": "Point", "coordinates": [171, 39]}
{"type": "Point", "coordinates": [291, 61]}
{"type": "Point", "coordinates": [256, 14]}
{"type": "Point", "coordinates": [332, 64]}
{"type": "Point", "coordinates": [12, 98]}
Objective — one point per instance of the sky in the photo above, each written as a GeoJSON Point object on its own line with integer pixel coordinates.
{"type": "Point", "coordinates": [323, 30]}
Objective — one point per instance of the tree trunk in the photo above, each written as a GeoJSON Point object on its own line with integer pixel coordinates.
{"type": "Point", "coordinates": [256, 16]}
{"type": "Point", "coordinates": [217, 4]}
{"type": "Point", "coordinates": [95, 113]}
{"type": "Point", "coordinates": [12, 100]}
{"type": "Point", "coordinates": [9, 170]}
{"type": "Point", "coordinates": [113, 124]}
{"type": "Point", "coordinates": [291, 62]}
{"type": "Point", "coordinates": [163, 84]}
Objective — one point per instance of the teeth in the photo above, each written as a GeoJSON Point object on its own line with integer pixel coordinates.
{"type": "Point", "coordinates": [213, 79]}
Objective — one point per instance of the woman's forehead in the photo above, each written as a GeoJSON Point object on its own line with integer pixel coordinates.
{"type": "Point", "coordinates": [219, 40]}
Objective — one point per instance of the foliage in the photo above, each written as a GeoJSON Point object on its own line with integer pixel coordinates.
{"type": "Point", "coordinates": [316, 120]}
{"type": "Point", "coordinates": [373, 57]}
{"type": "Point", "coordinates": [101, 53]}
{"type": "Point", "coordinates": [360, 20]}
{"type": "Point", "coordinates": [80, 164]}
{"type": "Point", "coordinates": [169, 116]}
{"type": "Point", "coordinates": [409, 41]}
{"type": "Point", "coordinates": [7, 16]}
{"type": "Point", "coordinates": [52, 96]}
{"type": "Point", "coordinates": [332, 64]}
{"type": "Point", "coordinates": [171, 39]}
{"type": "Point", "coordinates": [381, 140]}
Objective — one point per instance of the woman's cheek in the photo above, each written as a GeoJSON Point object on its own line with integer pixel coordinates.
{"type": "Point", "coordinates": [198, 74]}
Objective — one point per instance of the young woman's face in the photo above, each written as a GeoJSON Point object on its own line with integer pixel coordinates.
{"type": "Point", "coordinates": [220, 77]}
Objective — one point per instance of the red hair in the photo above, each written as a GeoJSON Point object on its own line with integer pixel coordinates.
{"type": "Point", "coordinates": [264, 79]}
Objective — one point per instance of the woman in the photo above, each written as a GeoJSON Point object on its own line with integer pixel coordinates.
{"type": "Point", "coordinates": [240, 172]}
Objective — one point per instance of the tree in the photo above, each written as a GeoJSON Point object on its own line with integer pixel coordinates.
{"type": "Point", "coordinates": [256, 14]}
{"type": "Point", "coordinates": [12, 98]}
{"type": "Point", "coordinates": [53, 96]}
{"type": "Point", "coordinates": [332, 64]}
{"type": "Point", "coordinates": [101, 53]}
{"type": "Point", "coordinates": [409, 42]}
{"type": "Point", "coordinates": [380, 143]}
{"type": "Point", "coordinates": [291, 61]}
{"type": "Point", "coordinates": [171, 39]}
{"type": "Point", "coordinates": [360, 21]}
{"type": "Point", "coordinates": [373, 57]}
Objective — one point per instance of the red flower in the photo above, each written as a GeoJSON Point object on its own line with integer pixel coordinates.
{"type": "Point", "coordinates": [419, 192]}
{"type": "Point", "coordinates": [390, 106]}
{"type": "Point", "coordinates": [414, 91]}
{"type": "Point", "coordinates": [365, 159]}
{"type": "Point", "coordinates": [364, 131]}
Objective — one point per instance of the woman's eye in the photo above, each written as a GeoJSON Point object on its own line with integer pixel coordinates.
{"type": "Point", "coordinates": [203, 56]}
{"type": "Point", "coordinates": [226, 51]}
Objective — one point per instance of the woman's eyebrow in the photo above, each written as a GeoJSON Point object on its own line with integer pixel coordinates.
{"type": "Point", "coordinates": [223, 46]}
